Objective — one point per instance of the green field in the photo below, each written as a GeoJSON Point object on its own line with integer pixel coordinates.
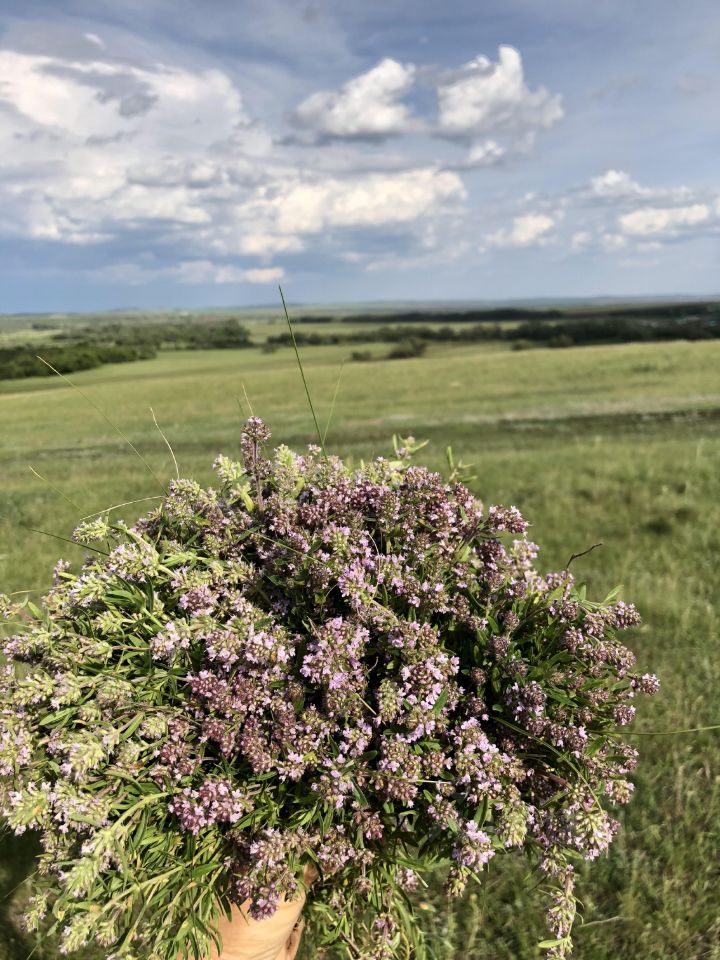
{"type": "Point", "coordinates": [617, 444]}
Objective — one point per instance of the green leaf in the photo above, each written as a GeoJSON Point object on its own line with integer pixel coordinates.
{"type": "Point", "coordinates": [441, 701]}
{"type": "Point", "coordinates": [55, 718]}
{"type": "Point", "coordinates": [132, 727]}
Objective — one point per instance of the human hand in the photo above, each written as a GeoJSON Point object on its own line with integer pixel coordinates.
{"type": "Point", "coordinates": [275, 938]}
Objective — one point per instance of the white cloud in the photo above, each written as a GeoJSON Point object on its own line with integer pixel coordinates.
{"type": "Point", "coordinates": [204, 271]}
{"type": "Point", "coordinates": [261, 244]}
{"type": "Point", "coordinates": [618, 186]}
{"type": "Point", "coordinates": [279, 216]}
{"type": "Point", "coordinates": [96, 148]}
{"type": "Point", "coordinates": [615, 183]}
{"type": "Point", "coordinates": [79, 100]}
{"type": "Point", "coordinates": [145, 154]}
{"type": "Point", "coordinates": [651, 220]}
{"type": "Point", "coordinates": [485, 104]}
{"type": "Point", "coordinates": [264, 275]}
{"type": "Point", "coordinates": [487, 153]}
{"type": "Point", "coordinates": [193, 272]}
{"type": "Point", "coordinates": [613, 213]}
{"type": "Point", "coordinates": [526, 231]}
{"type": "Point", "coordinates": [367, 106]}
{"type": "Point", "coordinates": [95, 39]}
{"type": "Point", "coordinates": [611, 210]}
{"type": "Point", "coordinates": [298, 207]}
{"type": "Point", "coordinates": [485, 97]}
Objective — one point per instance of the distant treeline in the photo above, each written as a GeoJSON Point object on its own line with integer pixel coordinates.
{"type": "Point", "coordinates": [188, 335]}
{"type": "Point", "coordinates": [441, 316]}
{"type": "Point", "coordinates": [598, 314]}
{"type": "Point", "coordinates": [88, 347]}
{"type": "Point", "coordinates": [564, 333]}
{"type": "Point", "coordinates": [19, 362]}
{"type": "Point", "coordinates": [122, 342]}
{"type": "Point", "coordinates": [617, 330]}
{"type": "Point", "coordinates": [390, 334]}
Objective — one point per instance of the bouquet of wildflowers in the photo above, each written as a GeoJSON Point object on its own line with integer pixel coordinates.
{"type": "Point", "coordinates": [357, 670]}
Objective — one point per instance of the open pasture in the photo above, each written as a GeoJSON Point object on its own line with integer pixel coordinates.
{"type": "Point", "coordinates": [616, 444]}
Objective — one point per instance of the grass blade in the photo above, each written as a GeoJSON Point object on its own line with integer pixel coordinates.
{"type": "Point", "coordinates": [55, 536]}
{"type": "Point", "coordinates": [247, 398]}
{"type": "Point", "coordinates": [107, 420]}
{"type": "Point", "coordinates": [332, 405]}
{"type": "Point", "coordinates": [53, 487]}
{"type": "Point", "coordinates": [116, 506]}
{"type": "Point", "coordinates": [167, 443]}
{"type": "Point", "coordinates": [302, 372]}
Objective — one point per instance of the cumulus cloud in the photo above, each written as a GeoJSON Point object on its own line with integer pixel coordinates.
{"type": "Point", "coordinates": [617, 213]}
{"type": "Point", "coordinates": [255, 244]}
{"type": "Point", "coordinates": [657, 220]}
{"type": "Point", "coordinates": [192, 272]}
{"type": "Point", "coordinates": [526, 231]}
{"type": "Point", "coordinates": [368, 106]}
{"type": "Point", "coordinates": [280, 217]}
{"type": "Point", "coordinates": [371, 201]}
{"type": "Point", "coordinates": [613, 213]}
{"type": "Point", "coordinates": [263, 274]}
{"type": "Point", "coordinates": [484, 104]}
{"type": "Point", "coordinates": [615, 183]}
{"type": "Point", "coordinates": [78, 99]}
{"type": "Point", "coordinates": [205, 271]}
{"type": "Point", "coordinates": [487, 153]}
{"type": "Point", "coordinates": [93, 148]}
{"type": "Point", "coordinates": [483, 97]}
{"type": "Point", "coordinates": [167, 160]}
{"type": "Point", "coordinates": [618, 187]}
{"type": "Point", "coordinates": [99, 150]}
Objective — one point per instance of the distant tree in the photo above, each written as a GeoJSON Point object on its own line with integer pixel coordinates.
{"type": "Point", "coordinates": [562, 340]}
{"type": "Point", "coordinates": [406, 349]}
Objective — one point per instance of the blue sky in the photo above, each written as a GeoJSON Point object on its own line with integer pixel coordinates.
{"type": "Point", "coordinates": [177, 153]}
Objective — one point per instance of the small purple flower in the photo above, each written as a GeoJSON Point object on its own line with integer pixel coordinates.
{"type": "Point", "coordinates": [199, 601]}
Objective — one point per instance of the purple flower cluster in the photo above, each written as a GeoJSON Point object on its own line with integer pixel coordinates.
{"type": "Point", "coordinates": [354, 669]}
{"type": "Point", "coordinates": [215, 801]}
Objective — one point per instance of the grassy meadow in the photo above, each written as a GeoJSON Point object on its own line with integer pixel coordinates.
{"type": "Point", "coordinates": [613, 444]}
